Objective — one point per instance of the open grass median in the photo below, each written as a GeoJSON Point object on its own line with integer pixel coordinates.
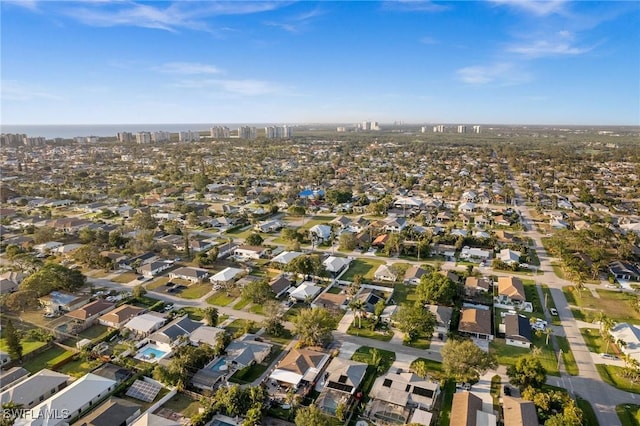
{"type": "Point", "coordinates": [612, 375]}
{"type": "Point", "coordinates": [628, 414]}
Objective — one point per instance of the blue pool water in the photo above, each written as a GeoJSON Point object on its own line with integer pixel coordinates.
{"type": "Point", "coordinates": [156, 352]}
{"type": "Point", "coordinates": [219, 422]}
{"type": "Point", "coordinates": [217, 365]}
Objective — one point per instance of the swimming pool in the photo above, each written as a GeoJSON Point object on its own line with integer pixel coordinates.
{"type": "Point", "coordinates": [220, 365]}
{"type": "Point", "coordinates": [153, 353]}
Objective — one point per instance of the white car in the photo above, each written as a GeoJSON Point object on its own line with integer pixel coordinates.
{"type": "Point", "coordinates": [553, 311]}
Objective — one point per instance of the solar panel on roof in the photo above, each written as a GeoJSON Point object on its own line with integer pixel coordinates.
{"type": "Point", "coordinates": [144, 391]}
{"type": "Point", "coordinates": [339, 386]}
{"type": "Point", "coordinates": [423, 392]}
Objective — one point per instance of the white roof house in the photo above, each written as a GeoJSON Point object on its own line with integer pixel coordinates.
{"type": "Point", "coordinates": [630, 334]}
{"type": "Point", "coordinates": [320, 232]}
{"type": "Point", "coordinates": [384, 273]}
{"type": "Point", "coordinates": [509, 256]}
{"type": "Point", "coordinates": [335, 264]}
{"type": "Point", "coordinates": [145, 323]}
{"type": "Point", "coordinates": [35, 389]}
{"type": "Point", "coordinates": [72, 401]}
{"type": "Point", "coordinates": [226, 275]}
{"type": "Point", "coordinates": [305, 291]}
{"type": "Point", "coordinates": [285, 257]}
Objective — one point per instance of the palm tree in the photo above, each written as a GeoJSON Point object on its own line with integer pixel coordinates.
{"type": "Point", "coordinates": [357, 306]}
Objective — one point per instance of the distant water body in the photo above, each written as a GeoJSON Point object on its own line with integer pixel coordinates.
{"type": "Point", "coordinates": [104, 130]}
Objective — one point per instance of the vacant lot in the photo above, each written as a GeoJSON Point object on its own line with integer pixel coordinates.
{"type": "Point", "coordinates": [616, 305]}
{"type": "Point", "coordinates": [364, 267]}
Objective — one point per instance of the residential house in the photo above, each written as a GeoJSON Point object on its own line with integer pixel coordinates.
{"type": "Point", "coordinates": [509, 256]}
{"type": "Point", "coordinates": [226, 249]}
{"type": "Point", "coordinates": [414, 274]}
{"type": "Point", "coordinates": [369, 299]}
{"type": "Point", "coordinates": [245, 252]}
{"type": "Point", "coordinates": [9, 281]}
{"type": "Point", "coordinates": [59, 301]}
{"type": "Point", "coordinates": [205, 334]}
{"type": "Point", "coordinates": [269, 226]}
{"type": "Point", "coordinates": [475, 285]}
{"type": "Point", "coordinates": [380, 240]}
{"type": "Point", "coordinates": [113, 412]}
{"type": "Point", "coordinates": [467, 207]}
{"type": "Point", "coordinates": [630, 335]}
{"type": "Point", "coordinates": [151, 269]}
{"type": "Point", "coordinates": [622, 270]}
{"type": "Point", "coordinates": [510, 291]}
{"type": "Point", "coordinates": [285, 257]}
{"type": "Point", "coordinates": [148, 419]}
{"type": "Point", "coordinates": [75, 399]}
{"type": "Point", "coordinates": [12, 376]}
{"type": "Point", "coordinates": [119, 316]}
{"type": "Point", "coordinates": [341, 379]}
{"type": "Point", "coordinates": [519, 412]}
{"type": "Point", "coordinates": [305, 292]}
{"type": "Point", "coordinates": [335, 303]}
{"type": "Point", "coordinates": [280, 285]}
{"type": "Point", "coordinates": [300, 367]}
{"type": "Point", "coordinates": [394, 396]}
{"type": "Point", "coordinates": [227, 275]}
{"type": "Point", "coordinates": [448, 251]}
{"type": "Point", "coordinates": [145, 324]}
{"type": "Point", "coordinates": [342, 222]}
{"type": "Point", "coordinates": [395, 225]}
{"type": "Point", "coordinates": [335, 265]}
{"type": "Point", "coordinates": [195, 275]}
{"type": "Point", "coordinates": [172, 334]}
{"type": "Point", "coordinates": [247, 350]}
{"type": "Point", "coordinates": [443, 319]}
{"type": "Point", "coordinates": [467, 410]}
{"type": "Point", "coordinates": [476, 323]}
{"type": "Point", "coordinates": [384, 273]}
{"type": "Point", "coordinates": [113, 372]}
{"type": "Point", "coordinates": [517, 330]}
{"type": "Point", "coordinates": [88, 314]}
{"type": "Point", "coordinates": [475, 254]}
{"type": "Point", "coordinates": [319, 234]}
{"type": "Point", "coordinates": [35, 389]}
{"type": "Point", "coordinates": [137, 261]}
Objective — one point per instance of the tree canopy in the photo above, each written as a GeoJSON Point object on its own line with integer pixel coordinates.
{"type": "Point", "coordinates": [53, 276]}
{"type": "Point", "coordinates": [254, 239]}
{"type": "Point", "coordinates": [312, 416]}
{"type": "Point", "coordinates": [313, 326]}
{"type": "Point", "coordinates": [437, 289]}
{"type": "Point", "coordinates": [464, 361]}
{"type": "Point", "coordinates": [527, 371]}
{"type": "Point", "coordinates": [414, 320]}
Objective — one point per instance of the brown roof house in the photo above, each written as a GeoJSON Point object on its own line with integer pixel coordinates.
{"type": "Point", "coordinates": [510, 291]}
{"type": "Point", "coordinates": [517, 412]}
{"type": "Point", "coordinates": [466, 410]}
{"type": "Point", "coordinates": [119, 316]}
{"type": "Point", "coordinates": [87, 315]}
{"type": "Point", "coordinates": [300, 367]}
{"type": "Point", "coordinates": [476, 323]}
{"type": "Point", "coordinates": [475, 285]}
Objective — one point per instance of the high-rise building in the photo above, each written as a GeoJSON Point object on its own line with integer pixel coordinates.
{"type": "Point", "coordinates": [423, 129]}
{"type": "Point", "coordinates": [12, 139]}
{"type": "Point", "coordinates": [476, 129]}
{"type": "Point", "coordinates": [160, 136]}
{"type": "Point", "coordinates": [125, 137]}
{"type": "Point", "coordinates": [278, 132]}
{"type": "Point", "coordinates": [462, 129]}
{"type": "Point", "coordinates": [143, 137]}
{"type": "Point", "coordinates": [247, 132]}
{"type": "Point", "coordinates": [188, 136]}
{"type": "Point", "coordinates": [34, 141]}
{"type": "Point", "coordinates": [220, 132]}
{"type": "Point", "coordinates": [438, 129]}
{"type": "Point", "coordinates": [341, 129]}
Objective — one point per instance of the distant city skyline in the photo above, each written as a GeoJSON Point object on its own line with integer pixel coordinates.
{"type": "Point", "coordinates": [505, 62]}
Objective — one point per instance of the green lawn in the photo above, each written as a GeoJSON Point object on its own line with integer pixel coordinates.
{"type": "Point", "coordinates": [220, 298]}
{"type": "Point", "coordinates": [364, 267]}
{"type": "Point", "coordinates": [94, 332]}
{"type": "Point", "coordinates": [257, 309]}
{"type": "Point", "coordinates": [183, 404]}
{"type": "Point", "coordinates": [435, 367]}
{"type": "Point", "coordinates": [195, 291]}
{"type": "Point", "coordinates": [283, 340]}
{"type": "Point", "coordinates": [293, 311]}
{"type": "Point", "coordinates": [420, 342]}
{"type": "Point", "coordinates": [366, 330]}
{"type": "Point", "coordinates": [78, 368]}
{"type": "Point", "coordinates": [363, 354]}
{"type": "Point", "coordinates": [589, 416]}
{"type": "Point", "coordinates": [241, 304]}
{"type": "Point", "coordinates": [158, 282]}
{"type": "Point", "coordinates": [334, 290]}
{"type": "Point", "coordinates": [315, 220]}
{"type": "Point", "coordinates": [611, 374]}
{"type": "Point", "coordinates": [629, 414]}
{"type": "Point", "coordinates": [241, 232]}
{"type": "Point", "coordinates": [555, 320]}
{"type": "Point", "coordinates": [236, 326]}
{"type": "Point", "coordinates": [43, 360]}
{"type": "Point", "coordinates": [124, 278]}
{"type": "Point", "coordinates": [568, 359]}
{"type": "Point", "coordinates": [195, 314]}
{"type": "Point", "coordinates": [616, 305]}
{"type": "Point", "coordinates": [27, 345]}
{"type": "Point", "coordinates": [531, 293]}
{"type": "Point", "coordinates": [448, 390]}
{"type": "Point", "coordinates": [404, 293]}
{"type": "Point", "coordinates": [251, 373]}
{"type": "Point", "coordinates": [594, 341]}
{"type": "Point", "coordinates": [508, 355]}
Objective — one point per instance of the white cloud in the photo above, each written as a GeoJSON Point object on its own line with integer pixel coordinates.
{"type": "Point", "coordinates": [540, 48]}
{"type": "Point", "coordinates": [537, 8]}
{"type": "Point", "coordinates": [16, 91]}
{"type": "Point", "coordinates": [297, 23]}
{"type": "Point", "coordinates": [499, 73]}
{"type": "Point", "coordinates": [27, 4]}
{"type": "Point", "coordinates": [187, 68]}
{"type": "Point", "coordinates": [164, 16]}
{"type": "Point", "coordinates": [414, 6]}
{"type": "Point", "coordinates": [246, 87]}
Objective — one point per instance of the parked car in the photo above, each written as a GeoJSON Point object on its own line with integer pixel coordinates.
{"type": "Point", "coordinates": [608, 356]}
{"type": "Point", "coordinates": [553, 311]}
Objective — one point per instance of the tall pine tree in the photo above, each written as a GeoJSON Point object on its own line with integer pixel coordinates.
{"type": "Point", "coordinates": [13, 341]}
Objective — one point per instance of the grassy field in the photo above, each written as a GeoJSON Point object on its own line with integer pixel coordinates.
{"type": "Point", "coordinates": [27, 345]}
{"type": "Point", "coordinates": [284, 339]}
{"type": "Point", "coordinates": [589, 416]}
{"type": "Point", "coordinates": [257, 309]}
{"type": "Point", "coordinates": [195, 291]}
{"type": "Point", "coordinates": [124, 278]}
{"type": "Point", "coordinates": [567, 356]}
{"type": "Point", "coordinates": [44, 359]}
{"type": "Point", "coordinates": [240, 324]}
{"type": "Point", "coordinates": [531, 293]}
{"type": "Point", "coordinates": [79, 367]}
{"type": "Point", "coordinates": [616, 305]}
{"type": "Point", "coordinates": [241, 304]}
{"type": "Point", "coordinates": [366, 331]}
{"type": "Point", "coordinates": [419, 343]}
{"type": "Point", "coordinates": [195, 314]}
{"type": "Point", "coordinates": [364, 267]}
{"type": "Point", "coordinates": [94, 332]}
{"type": "Point", "coordinates": [435, 367]}
{"type": "Point", "coordinates": [628, 414]}
{"type": "Point", "coordinates": [158, 282]}
{"type": "Point", "coordinates": [404, 293]}
{"type": "Point", "coordinates": [220, 298]}
{"type": "Point", "coordinates": [611, 375]}
{"type": "Point", "coordinates": [508, 355]}
{"type": "Point", "coordinates": [315, 220]}
{"type": "Point", "coordinates": [594, 341]}
{"type": "Point", "coordinates": [363, 354]}
{"type": "Point", "coordinates": [183, 404]}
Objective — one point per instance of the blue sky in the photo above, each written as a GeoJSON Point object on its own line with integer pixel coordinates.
{"type": "Point", "coordinates": [502, 61]}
